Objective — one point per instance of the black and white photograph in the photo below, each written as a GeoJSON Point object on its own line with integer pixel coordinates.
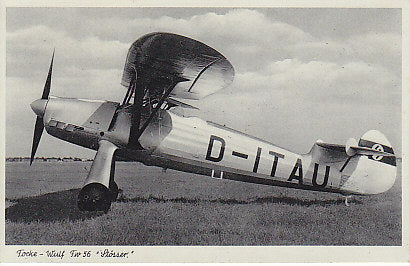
{"type": "Point", "coordinates": [131, 127]}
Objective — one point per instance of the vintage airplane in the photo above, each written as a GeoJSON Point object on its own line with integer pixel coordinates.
{"type": "Point", "coordinates": [160, 71]}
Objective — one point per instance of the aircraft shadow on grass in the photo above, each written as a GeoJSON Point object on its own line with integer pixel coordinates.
{"type": "Point", "coordinates": [50, 207]}
{"type": "Point", "coordinates": [62, 205]}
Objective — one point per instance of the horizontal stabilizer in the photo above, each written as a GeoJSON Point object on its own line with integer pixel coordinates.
{"type": "Point", "coordinates": [356, 150]}
{"type": "Point", "coordinates": [335, 147]}
{"type": "Point", "coordinates": [371, 152]}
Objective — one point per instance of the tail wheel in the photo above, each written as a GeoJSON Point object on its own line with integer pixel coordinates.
{"type": "Point", "coordinates": [94, 197]}
{"type": "Point", "coordinates": [347, 198]}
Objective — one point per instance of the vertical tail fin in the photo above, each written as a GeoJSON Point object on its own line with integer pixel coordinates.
{"type": "Point", "coordinates": [375, 140]}
{"type": "Point", "coordinates": [374, 174]}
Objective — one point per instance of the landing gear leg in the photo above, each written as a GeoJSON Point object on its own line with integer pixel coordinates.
{"type": "Point", "coordinates": [113, 185]}
{"type": "Point", "coordinates": [99, 188]}
{"type": "Point", "coordinates": [347, 198]}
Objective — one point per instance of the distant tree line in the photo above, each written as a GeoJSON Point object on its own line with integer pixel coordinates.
{"type": "Point", "coordinates": [61, 159]}
{"type": "Point", "coordinates": [48, 159]}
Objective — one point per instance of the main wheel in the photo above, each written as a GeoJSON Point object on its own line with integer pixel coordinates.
{"type": "Point", "coordinates": [94, 197]}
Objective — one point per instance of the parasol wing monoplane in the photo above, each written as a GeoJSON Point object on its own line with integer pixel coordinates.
{"type": "Point", "coordinates": [161, 71]}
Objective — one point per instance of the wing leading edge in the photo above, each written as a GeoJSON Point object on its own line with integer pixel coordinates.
{"type": "Point", "coordinates": [160, 60]}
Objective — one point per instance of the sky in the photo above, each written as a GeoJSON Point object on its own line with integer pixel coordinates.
{"type": "Point", "coordinates": [300, 74]}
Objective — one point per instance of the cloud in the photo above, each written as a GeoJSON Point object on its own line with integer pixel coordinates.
{"type": "Point", "coordinates": [353, 82]}
{"type": "Point", "coordinates": [235, 33]}
{"type": "Point", "coordinates": [27, 48]}
{"type": "Point", "coordinates": [378, 48]}
{"type": "Point", "coordinates": [248, 38]}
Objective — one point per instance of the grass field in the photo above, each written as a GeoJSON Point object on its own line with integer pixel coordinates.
{"type": "Point", "coordinates": [175, 208]}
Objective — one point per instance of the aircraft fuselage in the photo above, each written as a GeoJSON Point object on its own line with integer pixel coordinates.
{"type": "Point", "coordinates": [193, 145]}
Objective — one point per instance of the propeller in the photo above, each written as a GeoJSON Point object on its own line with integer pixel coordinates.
{"type": "Point", "coordinates": [38, 107]}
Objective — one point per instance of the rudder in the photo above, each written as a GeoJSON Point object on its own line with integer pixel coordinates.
{"type": "Point", "coordinates": [373, 174]}
{"type": "Point", "coordinates": [375, 140]}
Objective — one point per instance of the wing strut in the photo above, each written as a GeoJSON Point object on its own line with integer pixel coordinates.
{"type": "Point", "coordinates": [159, 104]}
{"type": "Point", "coordinates": [202, 71]}
{"type": "Point", "coordinates": [130, 92]}
{"type": "Point", "coordinates": [139, 91]}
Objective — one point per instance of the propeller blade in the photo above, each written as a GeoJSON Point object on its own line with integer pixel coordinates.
{"type": "Point", "coordinates": [39, 127]}
{"type": "Point", "coordinates": [38, 130]}
{"type": "Point", "coordinates": [46, 90]}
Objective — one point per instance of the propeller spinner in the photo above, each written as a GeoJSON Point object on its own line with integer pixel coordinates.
{"type": "Point", "coordinates": [39, 107]}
